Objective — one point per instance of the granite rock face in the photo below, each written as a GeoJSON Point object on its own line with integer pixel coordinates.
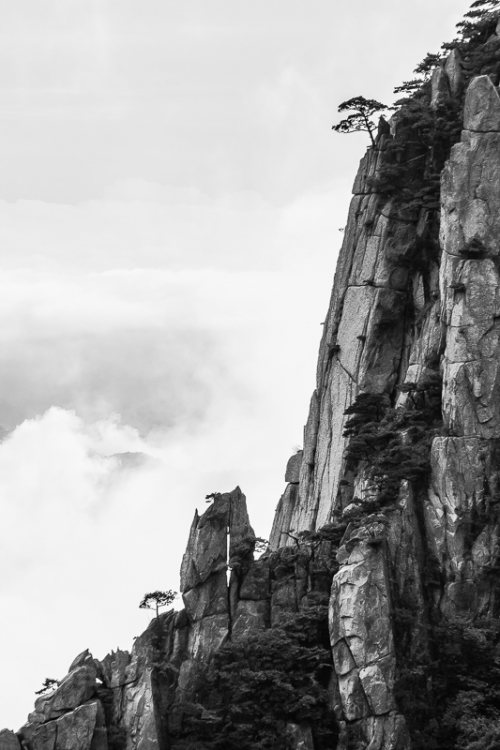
{"type": "Point", "coordinates": [82, 729]}
{"type": "Point", "coordinates": [398, 552]}
{"type": "Point", "coordinates": [292, 473]}
{"type": "Point", "coordinates": [469, 277]}
{"type": "Point", "coordinates": [71, 716]}
{"type": "Point", "coordinates": [9, 740]}
{"type": "Point", "coordinates": [78, 686]}
{"type": "Point", "coordinates": [449, 346]}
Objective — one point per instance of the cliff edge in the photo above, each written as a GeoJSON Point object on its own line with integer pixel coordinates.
{"type": "Point", "coordinates": [371, 620]}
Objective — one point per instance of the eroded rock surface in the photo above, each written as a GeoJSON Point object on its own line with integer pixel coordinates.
{"type": "Point", "coordinates": [415, 323]}
{"type": "Point", "coordinates": [9, 740]}
{"type": "Point", "coordinates": [71, 717]}
{"type": "Point", "coordinates": [453, 346]}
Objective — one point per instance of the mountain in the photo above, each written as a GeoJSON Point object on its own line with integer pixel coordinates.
{"type": "Point", "coordinates": [371, 620]}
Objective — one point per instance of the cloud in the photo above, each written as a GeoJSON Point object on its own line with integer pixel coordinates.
{"type": "Point", "coordinates": [143, 224]}
{"type": "Point", "coordinates": [85, 532]}
{"type": "Point", "coordinates": [78, 542]}
{"type": "Point", "coordinates": [59, 477]}
{"type": "Point", "coordinates": [116, 330]}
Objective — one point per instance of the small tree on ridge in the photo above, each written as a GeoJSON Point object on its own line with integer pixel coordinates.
{"type": "Point", "coordinates": [361, 111]}
{"type": "Point", "coordinates": [48, 685]}
{"type": "Point", "coordinates": [156, 599]}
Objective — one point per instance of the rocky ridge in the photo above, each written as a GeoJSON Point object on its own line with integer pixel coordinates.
{"type": "Point", "coordinates": [389, 519]}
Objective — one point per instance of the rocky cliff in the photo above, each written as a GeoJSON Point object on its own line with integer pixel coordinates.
{"type": "Point", "coordinates": [371, 621]}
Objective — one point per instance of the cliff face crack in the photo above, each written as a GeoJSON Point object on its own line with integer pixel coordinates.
{"type": "Point", "coordinates": [350, 375]}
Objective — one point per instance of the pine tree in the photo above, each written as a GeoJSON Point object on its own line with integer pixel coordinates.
{"type": "Point", "coordinates": [360, 118]}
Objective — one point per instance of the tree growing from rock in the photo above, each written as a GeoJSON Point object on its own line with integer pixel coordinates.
{"type": "Point", "coordinates": [427, 65]}
{"type": "Point", "coordinates": [212, 496]}
{"type": "Point", "coordinates": [261, 545]}
{"type": "Point", "coordinates": [48, 684]}
{"type": "Point", "coordinates": [157, 599]}
{"type": "Point", "coordinates": [361, 111]}
{"type": "Point", "coordinates": [480, 7]}
{"type": "Point", "coordinates": [478, 23]}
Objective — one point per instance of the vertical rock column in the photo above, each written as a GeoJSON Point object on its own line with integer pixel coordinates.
{"type": "Point", "coordinates": [461, 520]}
{"type": "Point", "coordinates": [362, 639]}
{"type": "Point", "coordinates": [221, 534]}
{"type": "Point", "coordinates": [132, 685]}
{"type": "Point", "coordinates": [147, 692]}
{"type": "Point", "coordinates": [362, 344]}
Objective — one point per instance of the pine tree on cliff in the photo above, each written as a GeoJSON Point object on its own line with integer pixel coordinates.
{"type": "Point", "coordinates": [362, 110]}
{"type": "Point", "coordinates": [156, 599]}
{"type": "Point", "coordinates": [48, 685]}
{"type": "Point", "coordinates": [480, 7]}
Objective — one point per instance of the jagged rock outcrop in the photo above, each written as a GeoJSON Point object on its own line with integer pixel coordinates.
{"type": "Point", "coordinates": [389, 523]}
{"type": "Point", "coordinates": [446, 313]}
{"type": "Point", "coordinates": [71, 716]}
{"type": "Point", "coordinates": [142, 699]}
{"type": "Point", "coordinates": [362, 344]}
{"type": "Point", "coordinates": [221, 537]}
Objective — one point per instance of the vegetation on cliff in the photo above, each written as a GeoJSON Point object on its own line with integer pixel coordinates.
{"type": "Point", "coordinates": [446, 681]}
{"type": "Point", "coordinates": [360, 118]}
{"type": "Point", "coordinates": [252, 662]}
{"type": "Point", "coordinates": [448, 665]}
{"type": "Point", "coordinates": [256, 687]}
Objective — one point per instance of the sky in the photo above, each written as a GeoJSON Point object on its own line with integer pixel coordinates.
{"type": "Point", "coordinates": [171, 204]}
